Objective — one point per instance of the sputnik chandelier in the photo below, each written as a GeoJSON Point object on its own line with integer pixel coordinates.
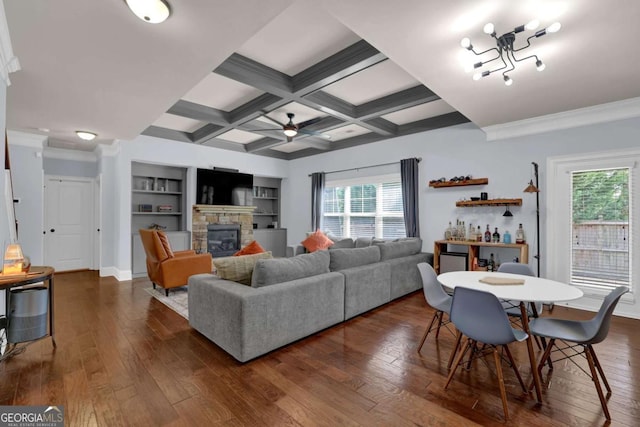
{"type": "Point", "coordinates": [505, 50]}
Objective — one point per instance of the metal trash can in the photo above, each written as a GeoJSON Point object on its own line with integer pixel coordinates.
{"type": "Point", "coordinates": [27, 314]}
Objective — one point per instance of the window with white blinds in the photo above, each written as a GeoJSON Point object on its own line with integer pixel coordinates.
{"type": "Point", "coordinates": [601, 228]}
{"type": "Point", "coordinates": [372, 209]}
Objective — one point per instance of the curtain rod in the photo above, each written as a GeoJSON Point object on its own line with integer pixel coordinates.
{"type": "Point", "coordinates": [366, 167]}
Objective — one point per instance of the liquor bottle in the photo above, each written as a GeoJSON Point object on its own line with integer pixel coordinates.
{"type": "Point", "coordinates": [506, 238]}
{"type": "Point", "coordinates": [463, 232]}
{"type": "Point", "coordinates": [472, 233]}
{"type": "Point", "coordinates": [496, 236]}
{"type": "Point", "coordinates": [492, 264]}
{"type": "Point", "coordinates": [487, 235]}
{"type": "Point", "coordinates": [520, 235]}
{"type": "Point", "coordinates": [447, 232]}
{"type": "Point", "coordinates": [479, 235]}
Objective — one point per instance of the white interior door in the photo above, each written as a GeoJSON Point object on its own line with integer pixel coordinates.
{"type": "Point", "coordinates": [68, 236]}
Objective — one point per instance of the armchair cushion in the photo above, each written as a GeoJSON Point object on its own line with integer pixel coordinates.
{"type": "Point", "coordinates": [164, 241]}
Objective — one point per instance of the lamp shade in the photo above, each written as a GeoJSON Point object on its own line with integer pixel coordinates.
{"type": "Point", "coordinates": [531, 188]}
{"type": "Point", "coordinates": [151, 11]}
{"type": "Point", "coordinates": [13, 260]}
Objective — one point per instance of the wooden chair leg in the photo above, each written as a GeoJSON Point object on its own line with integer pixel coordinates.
{"type": "Point", "coordinates": [455, 349]}
{"type": "Point", "coordinates": [599, 367]}
{"type": "Point", "coordinates": [543, 359]}
{"type": "Point", "coordinates": [426, 333]}
{"type": "Point", "coordinates": [594, 377]}
{"type": "Point", "coordinates": [473, 348]}
{"type": "Point", "coordinates": [459, 357]}
{"type": "Point", "coordinates": [441, 315]}
{"type": "Point", "coordinates": [503, 392]}
{"type": "Point", "coordinates": [515, 368]}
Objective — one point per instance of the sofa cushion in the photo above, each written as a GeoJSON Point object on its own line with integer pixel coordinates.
{"type": "Point", "coordinates": [251, 249]}
{"type": "Point", "coordinates": [270, 271]}
{"type": "Point", "coordinates": [363, 242]}
{"type": "Point", "coordinates": [341, 259]}
{"type": "Point", "coordinates": [391, 250]}
{"type": "Point", "coordinates": [238, 268]}
{"type": "Point", "coordinates": [342, 244]}
{"type": "Point", "coordinates": [317, 242]}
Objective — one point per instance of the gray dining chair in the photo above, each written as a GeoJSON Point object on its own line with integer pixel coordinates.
{"type": "Point", "coordinates": [480, 317]}
{"type": "Point", "coordinates": [436, 297]}
{"type": "Point", "coordinates": [583, 334]}
{"type": "Point", "coordinates": [525, 270]}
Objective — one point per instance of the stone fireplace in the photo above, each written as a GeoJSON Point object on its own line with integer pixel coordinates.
{"type": "Point", "coordinates": [205, 215]}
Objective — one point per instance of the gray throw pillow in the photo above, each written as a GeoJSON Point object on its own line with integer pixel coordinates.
{"type": "Point", "coordinates": [278, 270]}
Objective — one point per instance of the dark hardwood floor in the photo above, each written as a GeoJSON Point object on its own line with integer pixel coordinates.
{"type": "Point", "coordinates": [123, 358]}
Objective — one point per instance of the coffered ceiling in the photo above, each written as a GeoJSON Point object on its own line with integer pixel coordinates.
{"type": "Point", "coordinates": [223, 74]}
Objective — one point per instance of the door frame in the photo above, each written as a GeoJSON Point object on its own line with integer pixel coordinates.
{"type": "Point", "coordinates": [93, 221]}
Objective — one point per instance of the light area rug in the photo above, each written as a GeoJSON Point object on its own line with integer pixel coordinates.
{"type": "Point", "coordinates": [176, 301]}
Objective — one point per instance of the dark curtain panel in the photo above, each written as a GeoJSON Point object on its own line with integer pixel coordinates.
{"type": "Point", "coordinates": [410, 193]}
{"type": "Point", "coordinates": [317, 192]}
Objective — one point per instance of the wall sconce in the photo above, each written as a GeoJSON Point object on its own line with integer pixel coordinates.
{"type": "Point", "coordinates": [507, 212]}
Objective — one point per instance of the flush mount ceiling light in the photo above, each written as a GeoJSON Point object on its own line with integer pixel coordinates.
{"type": "Point", "coordinates": [151, 11]}
{"type": "Point", "coordinates": [505, 50]}
{"type": "Point", "coordinates": [87, 136]}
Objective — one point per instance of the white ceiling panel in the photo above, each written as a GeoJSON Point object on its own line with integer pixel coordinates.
{"type": "Point", "coordinates": [375, 82]}
{"type": "Point", "coordinates": [240, 136]}
{"type": "Point", "coordinates": [171, 121]}
{"type": "Point", "coordinates": [291, 147]}
{"type": "Point", "coordinates": [419, 112]}
{"type": "Point", "coordinates": [301, 36]}
{"type": "Point", "coordinates": [344, 132]}
{"type": "Point", "coordinates": [219, 92]}
{"type": "Point", "coordinates": [302, 113]}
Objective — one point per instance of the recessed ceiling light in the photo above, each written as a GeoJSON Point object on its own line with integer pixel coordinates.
{"type": "Point", "coordinates": [151, 11]}
{"type": "Point", "coordinates": [87, 136]}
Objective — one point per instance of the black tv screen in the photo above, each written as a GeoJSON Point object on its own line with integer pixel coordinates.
{"type": "Point", "coordinates": [216, 187]}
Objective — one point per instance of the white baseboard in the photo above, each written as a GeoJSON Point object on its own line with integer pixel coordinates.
{"type": "Point", "coordinates": [120, 275]}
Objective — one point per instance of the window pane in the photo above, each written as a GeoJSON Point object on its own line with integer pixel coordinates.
{"type": "Point", "coordinates": [334, 225]}
{"type": "Point", "coordinates": [601, 228]}
{"type": "Point", "coordinates": [392, 197]}
{"type": "Point", "coordinates": [363, 198]}
{"type": "Point", "coordinates": [393, 228]}
{"type": "Point", "coordinates": [333, 200]}
{"type": "Point", "coordinates": [362, 226]}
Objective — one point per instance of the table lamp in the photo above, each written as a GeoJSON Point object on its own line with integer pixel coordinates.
{"type": "Point", "coordinates": [14, 261]}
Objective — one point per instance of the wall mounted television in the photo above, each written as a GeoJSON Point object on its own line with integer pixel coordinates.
{"type": "Point", "coordinates": [224, 187]}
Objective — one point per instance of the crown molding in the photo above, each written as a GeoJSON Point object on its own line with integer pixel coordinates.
{"type": "Point", "coordinates": [26, 139]}
{"type": "Point", "coordinates": [619, 110]}
{"type": "Point", "coordinates": [110, 150]}
{"type": "Point", "coordinates": [8, 62]}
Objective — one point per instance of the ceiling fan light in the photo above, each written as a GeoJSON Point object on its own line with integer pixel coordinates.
{"type": "Point", "coordinates": [87, 136]}
{"type": "Point", "coordinates": [151, 11]}
{"type": "Point", "coordinates": [290, 132]}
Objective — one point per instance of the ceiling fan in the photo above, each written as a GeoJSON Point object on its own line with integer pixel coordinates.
{"type": "Point", "coordinates": [291, 129]}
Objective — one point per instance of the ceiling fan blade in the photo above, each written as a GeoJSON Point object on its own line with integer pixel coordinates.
{"type": "Point", "coordinates": [314, 133]}
{"type": "Point", "coordinates": [309, 122]}
{"type": "Point", "coordinates": [265, 130]}
{"type": "Point", "coordinates": [273, 120]}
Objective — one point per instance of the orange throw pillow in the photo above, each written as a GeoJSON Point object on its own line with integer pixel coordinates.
{"type": "Point", "coordinates": [165, 243]}
{"type": "Point", "coordinates": [251, 249]}
{"type": "Point", "coordinates": [317, 242]}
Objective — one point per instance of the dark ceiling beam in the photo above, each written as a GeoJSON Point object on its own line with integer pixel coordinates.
{"type": "Point", "coordinates": [255, 108]}
{"type": "Point", "coordinates": [199, 112]}
{"type": "Point", "coordinates": [165, 133]}
{"type": "Point", "coordinates": [396, 101]}
{"type": "Point", "coordinates": [348, 61]}
{"type": "Point", "coordinates": [437, 122]}
{"type": "Point", "coordinates": [205, 132]}
{"type": "Point", "coordinates": [252, 73]}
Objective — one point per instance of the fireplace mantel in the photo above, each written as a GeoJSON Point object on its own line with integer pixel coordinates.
{"type": "Point", "coordinates": [204, 215]}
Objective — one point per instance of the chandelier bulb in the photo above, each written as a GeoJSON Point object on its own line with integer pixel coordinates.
{"type": "Point", "coordinates": [554, 28]}
{"type": "Point", "coordinates": [540, 65]}
{"type": "Point", "coordinates": [489, 28]}
{"type": "Point", "coordinates": [466, 43]}
{"type": "Point", "coordinates": [477, 76]}
{"type": "Point", "coordinates": [508, 81]}
{"type": "Point", "coordinates": [532, 25]}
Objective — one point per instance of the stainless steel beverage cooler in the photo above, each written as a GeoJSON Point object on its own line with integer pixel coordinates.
{"type": "Point", "coordinates": [27, 314]}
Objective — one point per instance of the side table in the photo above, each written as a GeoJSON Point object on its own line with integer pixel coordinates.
{"type": "Point", "coordinates": [36, 274]}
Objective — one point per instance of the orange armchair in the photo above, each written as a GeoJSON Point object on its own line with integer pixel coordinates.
{"type": "Point", "coordinates": [170, 269]}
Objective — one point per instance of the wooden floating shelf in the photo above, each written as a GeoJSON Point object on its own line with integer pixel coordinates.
{"type": "Point", "coordinates": [477, 181]}
{"type": "Point", "coordinates": [492, 202]}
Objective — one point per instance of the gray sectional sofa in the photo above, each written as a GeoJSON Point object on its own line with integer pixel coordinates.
{"type": "Point", "coordinates": [291, 298]}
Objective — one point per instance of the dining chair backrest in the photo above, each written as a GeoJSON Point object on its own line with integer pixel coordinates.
{"type": "Point", "coordinates": [434, 294]}
{"type": "Point", "coordinates": [599, 325]}
{"type": "Point", "coordinates": [480, 316]}
{"type": "Point", "coordinates": [515, 268]}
